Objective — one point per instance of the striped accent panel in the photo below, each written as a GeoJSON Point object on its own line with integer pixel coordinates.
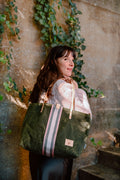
{"type": "Point", "coordinates": [51, 130]}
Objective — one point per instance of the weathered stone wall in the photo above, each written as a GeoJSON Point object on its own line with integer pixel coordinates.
{"type": "Point", "coordinates": [27, 58]}
{"type": "Point", "coordinates": [100, 26]}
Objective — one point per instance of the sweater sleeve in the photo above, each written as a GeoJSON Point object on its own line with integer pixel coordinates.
{"type": "Point", "coordinates": [85, 106]}
{"type": "Point", "coordinates": [62, 94]}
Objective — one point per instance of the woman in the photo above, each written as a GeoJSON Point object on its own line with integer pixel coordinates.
{"type": "Point", "coordinates": [55, 79]}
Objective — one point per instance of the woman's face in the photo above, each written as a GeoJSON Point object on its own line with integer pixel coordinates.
{"type": "Point", "coordinates": [65, 64]}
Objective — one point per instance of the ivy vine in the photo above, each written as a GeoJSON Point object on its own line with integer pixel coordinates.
{"type": "Point", "coordinates": [53, 33]}
{"type": "Point", "coordinates": [8, 30]}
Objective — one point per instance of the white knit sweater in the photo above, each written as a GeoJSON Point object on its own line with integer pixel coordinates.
{"type": "Point", "coordinates": [62, 94]}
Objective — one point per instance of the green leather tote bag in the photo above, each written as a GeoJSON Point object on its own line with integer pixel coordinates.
{"type": "Point", "coordinates": [54, 131]}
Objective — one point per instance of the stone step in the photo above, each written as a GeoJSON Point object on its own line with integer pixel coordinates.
{"type": "Point", "coordinates": [98, 172]}
{"type": "Point", "coordinates": [109, 157]}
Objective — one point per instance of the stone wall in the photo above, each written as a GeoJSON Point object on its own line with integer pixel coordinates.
{"type": "Point", "coordinates": [100, 26]}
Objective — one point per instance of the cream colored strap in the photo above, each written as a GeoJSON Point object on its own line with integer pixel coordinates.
{"type": "Point", "coordinates": [73, 101]}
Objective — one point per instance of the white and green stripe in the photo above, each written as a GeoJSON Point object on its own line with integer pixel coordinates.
{"type": "Point", "coordinates": [51, 131]}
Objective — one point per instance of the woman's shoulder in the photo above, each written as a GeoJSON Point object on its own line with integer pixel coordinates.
{"type": "Point", "coordinates": [61, 85]}
{"type": "Point", "coordinates": [61, 82]}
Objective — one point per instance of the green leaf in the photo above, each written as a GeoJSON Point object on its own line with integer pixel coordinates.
{"type": "Point", "coordinates": [11, 56]}
{"type": "Point", "coordinates": [7, 9]}
{"type": "Point", "coordinates": [1, 53]}
{"type": "Point", "coordinates": [41, 21]}
{"type": "Point", "coordinates": [15, 9]}
{"type": "Point", "coordinates": [99, 143]}
{"type": "Point", "coordinates": [11, 18]}
{"type": "Point", "coordinates": [8, 24]}
{"type": "Point", "coordinates": [82, 40]}
{"type": "Point", "coordinates": [1, 97]}
{"type": "Point", "coordinates": [9, 131]}
{"type": "Point", "coordinates": [10, 42]}
{"type": "Point", "coordinates": [83, 47]}
{"type": "Point", "coordinates": [12, 31]}
{"type": "Point", "coordinates": [2, 57]}
{"type": "Point", "coordinates": [1, 30]}
{"type": "Point", "coordinates": [79, 12]}
{"type": "Point", "coordinates": [3, 60]}
{"type": "Point", "coordinates": [19, 37]}
{"type": "Point", "coordinates": [17, 30]}
{"type": "Point", "coordinates": [92, 139]}
{"type": "Point", "coordinates": [7, 86]}
{"type": "Point", "coordinates": [10, 79]}
{"type": "Point", "coordinates": [15, 86]}
{"type": "Point", "coordinates": [2, 18]}
{"type": "Point", "coordinates": [20, 96]}
{"type": "Point", "coordinates": [15, 16]}
{"type": "Point", "coordinates": [24, 90]}
{"type": "Point", "coordinates": [12, 4]}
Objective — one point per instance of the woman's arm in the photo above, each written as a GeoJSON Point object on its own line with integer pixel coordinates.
{"type": "Point", "coordinates": [62, 92]}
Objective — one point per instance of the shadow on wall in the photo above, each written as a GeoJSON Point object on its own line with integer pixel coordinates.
{"type": "Point", "coordinates": [14, 163]}
{"type": "Point", "coordinates": [107, 110]}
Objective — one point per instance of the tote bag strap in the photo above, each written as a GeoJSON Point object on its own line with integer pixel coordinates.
{"type": "Point", "coordinates": [46, 98]}
{"type": "Point", "coordinates": [73, 101]}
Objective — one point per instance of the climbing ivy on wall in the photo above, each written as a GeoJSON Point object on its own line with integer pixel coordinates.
{"type": "Point", "coordinates": [53, 33]}
{"type": "Point", "coordinates": [9, 32]}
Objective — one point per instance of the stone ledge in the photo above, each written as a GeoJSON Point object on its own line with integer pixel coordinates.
{"type": "Point", "coordinates": [98, 172]}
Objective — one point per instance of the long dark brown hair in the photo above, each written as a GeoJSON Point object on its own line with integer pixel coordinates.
{"type": "Point", "coordinates": [49, 72]}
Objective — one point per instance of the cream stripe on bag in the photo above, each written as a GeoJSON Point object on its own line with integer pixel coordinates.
{"type": "Point", "coordinates": [51, 130]}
